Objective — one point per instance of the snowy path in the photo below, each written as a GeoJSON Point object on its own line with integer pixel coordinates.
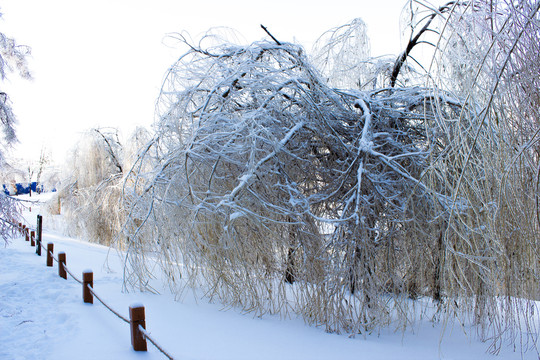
{"type": "Point", "coordinates": [42, 316]}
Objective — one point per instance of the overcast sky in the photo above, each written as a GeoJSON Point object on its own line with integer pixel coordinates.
{"type": "Point", "coordinates": [101, 63]}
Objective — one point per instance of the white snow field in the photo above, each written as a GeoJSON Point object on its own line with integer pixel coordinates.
{"type": "Point", "coordinates": [42, 316]}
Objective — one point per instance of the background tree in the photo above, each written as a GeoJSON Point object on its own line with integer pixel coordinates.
{"type": "Point", "coordinates": [44, 160]}
{"type": "Point", "coordinates": [92, 187]}
{"type": "Point", "coordinates": [343, 56]}
{"type": "Point", "coordinates": [91, 195]}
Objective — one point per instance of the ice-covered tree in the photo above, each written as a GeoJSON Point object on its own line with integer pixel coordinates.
{"type": "Point", "coordinates": [486, 52]}
{"type": "Point", "coordinates": [91, 195]}
{"type": "Point", "coordinates": [266, 176]}
{"type": "Point", "coordinates": [92, 188]}
{"type": "Point", "coordinates": [12, 59]}
{"type": "Point", "coordinates": [343, 56]}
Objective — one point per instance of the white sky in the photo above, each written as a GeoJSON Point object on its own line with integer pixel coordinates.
{"type": "Point", "coordinates": [100, 63]}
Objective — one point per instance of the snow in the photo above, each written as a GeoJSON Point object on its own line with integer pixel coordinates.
{"type": "Point", "coordinates": [42, 316]}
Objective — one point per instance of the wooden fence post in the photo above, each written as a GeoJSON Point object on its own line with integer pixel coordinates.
{"type": "Point", "coordinates": [50, 249]}
{"type": "Point", "coordinates": [32, 238]}
{"type": "Point", "coordinates": [39, 233]}
{"type": "Point", "coordinates": [27, 234]}
{"type": "Point", "coordinates": [136, 317]}
{"type": "Point", "coordinates": [87, 280]}
{"type": "Point", "coordinates": [62, 264]}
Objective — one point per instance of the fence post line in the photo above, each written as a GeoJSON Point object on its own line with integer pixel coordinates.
{"type": "Point", "coordinates": [50, 249]}
{"type": "Point", "coordinates": [39, 234]}
{"type": "Point", "coordinates": [27, 234]}
{"type": "Point", "coordinates": [136, 317]}
{"type": "Point", "coordinates": [32, 238]}
{"type": "Point", "coordinates": [87, 280]}
{"type": "Point", "coordinates": [62, 264]}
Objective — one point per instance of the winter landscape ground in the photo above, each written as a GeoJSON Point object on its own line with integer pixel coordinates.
{"type": "Point", "coordinates": [42, 316]}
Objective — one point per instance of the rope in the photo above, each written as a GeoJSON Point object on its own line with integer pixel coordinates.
{"type": "Point", "coordinates": [53, 257]}
{"type": "Point", "coordinates": [146, 335]}
{"type": "Point", "coordinates": [107, 306]}
{"type": "Point", "coordinates": [73, 276]}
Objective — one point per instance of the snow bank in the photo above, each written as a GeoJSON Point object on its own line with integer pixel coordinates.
{"type": "Point", "coordinates": [42, 316]}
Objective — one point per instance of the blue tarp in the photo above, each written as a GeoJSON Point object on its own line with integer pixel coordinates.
{"type": "Point", "coordinates": [23, 188]}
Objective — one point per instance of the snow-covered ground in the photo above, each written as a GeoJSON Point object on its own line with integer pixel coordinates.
{"type": "Point", "coordinates": [42, 316]}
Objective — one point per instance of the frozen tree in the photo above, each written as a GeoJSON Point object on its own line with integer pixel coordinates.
{"type": "Point", "coordinates": [10, 174]}
{"type": "Point", "coordinates": [487, 53]}
{"type": "Point", "coordinates": [51, 178]}
{"type": "Point", "coordinates": [266, 177]}
{"type": "Point", "coordinates": [140, 138]}
{"type": "Point", "coordinates": [343, 57]}
{"type": "Point", "coordinates": [44, 160]}
{"type": "Point", "coordinates": [12, 58]}
{"type": "Point", "coordinates": [91, 193]}
{"type": "Point", "coordinates": [35, 168]}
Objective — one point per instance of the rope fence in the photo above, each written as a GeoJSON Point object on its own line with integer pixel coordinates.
{"type": "Point", "coordinates": [137, 321]}
{"type": "Point", "coordinates": [147, 337]}
{"type": "Point", "coordinates": [107, 306]}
